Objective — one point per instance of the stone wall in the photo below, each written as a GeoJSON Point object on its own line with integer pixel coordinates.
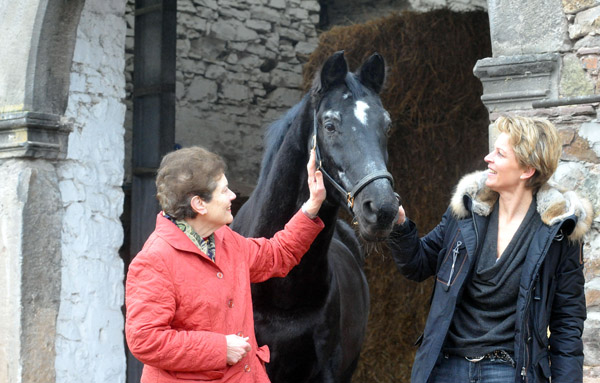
{"type": "Point", "coordinates": [239, 67]}
{"type": "Point", "coordinates": [90, 342]}
{"type": "Point", "coordinates": [581, 133]}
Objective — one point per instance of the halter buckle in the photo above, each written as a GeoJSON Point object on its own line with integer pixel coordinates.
{"type": "Point", "coordinates": [350, 200]}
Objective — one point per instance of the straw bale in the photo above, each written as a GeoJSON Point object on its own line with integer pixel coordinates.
{"type": "Point", "coordinates": [439, 133]}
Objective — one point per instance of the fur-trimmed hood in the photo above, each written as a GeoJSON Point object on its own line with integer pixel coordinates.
{"type": "Point", "coordinates": [553, 205]}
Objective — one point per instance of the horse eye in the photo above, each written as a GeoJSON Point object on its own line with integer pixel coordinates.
{"type": "Point", "coordinates": [330, 127]}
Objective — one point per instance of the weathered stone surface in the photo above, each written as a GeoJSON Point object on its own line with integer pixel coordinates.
{"type": "Point", "coordinates": [585, 22]}
{"type": "Point", "coordinates": [202, 89]}
{"type": "Point", "coordinates": [579, 150]}
{"type": "Point", "coordinates": [573, 6]}
{"type": "Point", "coordinates": [591, 132]}
{"type": "Point", "coordinates": [573, 80]}
{"type": "Point", "coordinates": [235, 92]}
{"type": "Point", "coordinates": [283, 97]}
{"type": "Point", "coordinates": [519, 28]}
{"type": "Point", "coordinates": [206, 48]}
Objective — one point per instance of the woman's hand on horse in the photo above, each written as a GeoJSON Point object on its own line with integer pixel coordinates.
{"type": "Point", "coordinates": [401, 215]}
{"type": "Point", "coordinates": [315, 186]}
{"type": "Point", "coordinates": [237, 348]}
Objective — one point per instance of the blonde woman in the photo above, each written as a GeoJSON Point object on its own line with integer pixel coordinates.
{"type": "Point", "coordinates": [508, 265]}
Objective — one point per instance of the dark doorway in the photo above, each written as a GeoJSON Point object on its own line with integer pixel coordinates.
{"type": "Point", "coordinates": [153, 126]}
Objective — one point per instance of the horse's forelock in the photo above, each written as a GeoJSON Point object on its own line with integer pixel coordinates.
{"type": "Point", "coordinates": [357, 89]}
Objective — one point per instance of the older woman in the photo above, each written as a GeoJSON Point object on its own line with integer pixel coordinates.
{"type": "Point", "coordinates": [508, 265]}
{"type": "Point", "coordinates": [189, 309]}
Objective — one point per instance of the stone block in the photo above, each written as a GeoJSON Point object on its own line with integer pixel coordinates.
{"type": "Point", "coordinates": [235, 92]}
{"type": "Point", "coordinates": [590, 62]}
{"type": "Point", "coordinates": [590, 131]}
{"type": "Point", "coordinates": [591, 334]}
{"type": "Point", "coordinates": [291, 34]}
{"type": "Point", "coordinates": [311, 6]}
{"type": "Point", "coordinates": [257, 49]}
{"type": "Point", "coordinates": [190, 66]}
{"type": "Point", "coordinates": [298, 13]}
{"type": "Point", "coordinates": [514, 82]}
{"type": "Point", "coordinates": [33, 135]}
{"type": "Point", "coordinates": [284, 97]}
{"type": "Point", "coordinates": [519, 27]}
{"type": "Point", "coordinates": [259, 25]}
{"type": "Point", "coordinates": [278, 4]}
{"type": "Point", "coordinates": [573, 80]}
{"type": "Point", "coordinates": [207, 48]}
{"type": "Point", "coordinates": [305, 48]}
{"type": "Point", "coordinates": [265, 13]}
{"type": "Point", "coordinates": [223, 30]}
{"type": "Point", "coordinates": [211, 4]}
{"type": "Point", "coordinates": [240, 15]}
{"type": "Point", "coordinates": [202, 89]}
{"type": "Point", "coordinates": [215, 72]}
{"type": "Point", "coordinates": [237, 45]}
{"type": "Point", "coordinates": [585, 22]}
{"type": "Point", "coordinates": [574, 6]}
{"type": "Point", "coordinates": [185, 6]}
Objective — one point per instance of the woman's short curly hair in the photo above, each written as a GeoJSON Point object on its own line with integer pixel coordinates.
{"type": "Point", "coordinates": [186, 173]}
{"type": "Point", "coordinates": [536, 144]}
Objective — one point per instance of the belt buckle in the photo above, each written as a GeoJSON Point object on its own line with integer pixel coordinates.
{"type": "Point", "coordinates": [475, 359]}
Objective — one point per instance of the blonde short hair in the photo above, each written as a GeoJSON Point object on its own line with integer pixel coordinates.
{"type": "Point", "coordinates": [536, 144]}
{"type": "Point", "coordinates": [186, 173]}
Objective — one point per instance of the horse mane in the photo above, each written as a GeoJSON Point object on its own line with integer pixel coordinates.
{"type": "Point", "coordinates": [274, 136]}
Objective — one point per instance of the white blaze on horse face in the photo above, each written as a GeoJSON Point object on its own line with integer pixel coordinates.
{"type": "Point", "coordinates": [360, 112]}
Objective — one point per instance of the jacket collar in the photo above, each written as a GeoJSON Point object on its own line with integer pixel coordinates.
{"type": "Point", "coordinates": [553, 205]}
{"type": "Point", "coordinates": [178, 239]}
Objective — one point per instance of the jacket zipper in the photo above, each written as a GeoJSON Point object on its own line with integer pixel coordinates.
{"type": "Point", "coordinates": [525, 322]}
{"type": "Point", "coordinates": [454, 257]}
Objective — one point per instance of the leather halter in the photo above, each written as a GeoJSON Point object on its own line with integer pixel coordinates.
{"type": "Point", "coordinates": [349, 195]}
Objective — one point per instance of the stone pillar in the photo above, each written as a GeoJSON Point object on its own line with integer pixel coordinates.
{"type": "Point", "coordinates": [37, 46]}
{"type": "Point", "coordinates": [545, 63]}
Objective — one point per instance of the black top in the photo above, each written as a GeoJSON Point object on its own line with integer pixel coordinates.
{"type": "Point", "coordinates": [484, 320]}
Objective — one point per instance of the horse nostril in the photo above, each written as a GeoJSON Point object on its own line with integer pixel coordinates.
{"type": "Point", "coordinates": [369, 211]}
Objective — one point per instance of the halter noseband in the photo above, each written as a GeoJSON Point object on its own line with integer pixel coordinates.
{"type": "Point", "coordinates": [350, 195]}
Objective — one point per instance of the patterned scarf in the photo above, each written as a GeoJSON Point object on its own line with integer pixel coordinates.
{"type": "Point", "coordinates": [206, 245]}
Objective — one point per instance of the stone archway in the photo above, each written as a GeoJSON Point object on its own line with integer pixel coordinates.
{"type": "Point", "coordinates": [38, 42]}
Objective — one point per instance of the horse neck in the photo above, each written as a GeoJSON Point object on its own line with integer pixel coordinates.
{"type": "Point", "coordinates": [280, 195]}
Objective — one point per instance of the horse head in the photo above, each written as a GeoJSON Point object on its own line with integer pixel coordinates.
{"type": "Point", "coordinates": [350, 134]}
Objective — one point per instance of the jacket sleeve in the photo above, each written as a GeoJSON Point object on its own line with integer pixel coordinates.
{"type": "Point", "coordinates": [150, 300]}
{"type": "Point", "coordinates": [567, 317]}
{"type": "Point", "coordinates": [275, 257]}
{"type": "Point", "coordinates": [417, 258]}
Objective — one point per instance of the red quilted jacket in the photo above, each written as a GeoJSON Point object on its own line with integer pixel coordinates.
{"type": "Point", "coordinates": [180, 305]}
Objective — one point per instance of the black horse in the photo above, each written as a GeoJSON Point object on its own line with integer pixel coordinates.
{"type": "Point", "coordinates": [314, 320]}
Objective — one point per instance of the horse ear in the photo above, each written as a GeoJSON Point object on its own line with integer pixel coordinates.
{"type": "Point", "coordinates": [372, 72]}
{"type": "Point", "coordinates": [334, 70]}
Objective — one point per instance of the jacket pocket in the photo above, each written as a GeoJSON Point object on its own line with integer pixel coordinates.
{"type": "Point", "coordinates": [543, 371]}
{"type": "Point", "coordinates": [199, 376]}
{"type": "Point", "coordinates": [452, 263]}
